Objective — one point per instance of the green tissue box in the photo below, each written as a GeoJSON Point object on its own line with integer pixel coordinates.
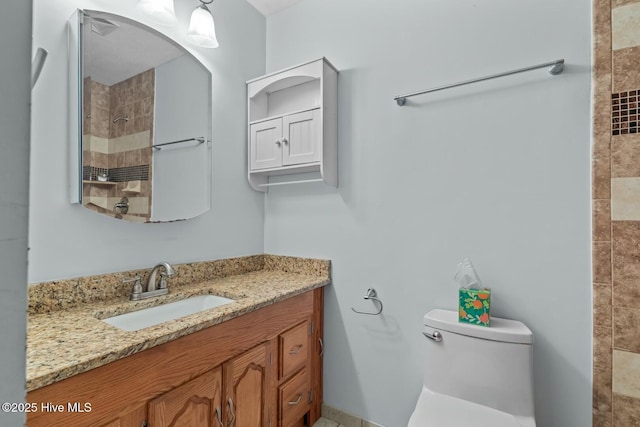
{"type": "Point", "coordinates": [475, 306]}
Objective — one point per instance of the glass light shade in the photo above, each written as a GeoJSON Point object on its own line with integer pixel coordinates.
{"type": "Point", "coordinates": [202, 30]}
{"type": "Point", "coordinates": [160, 11]}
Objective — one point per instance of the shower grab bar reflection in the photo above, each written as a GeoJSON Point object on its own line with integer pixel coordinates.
{"type": "Point", "coordinates": [555, 68]}
{"type": "Point", "coordinates": [199, 139]}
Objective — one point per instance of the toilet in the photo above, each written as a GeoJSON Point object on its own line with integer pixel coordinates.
{"type": "Point", "coordinates": [475, 375]}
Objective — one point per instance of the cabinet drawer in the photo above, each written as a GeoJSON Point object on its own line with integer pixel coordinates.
{"type": "Point", "coordinates": [293, 398]}
{"type": "Point", "coordinates": [294, 349]}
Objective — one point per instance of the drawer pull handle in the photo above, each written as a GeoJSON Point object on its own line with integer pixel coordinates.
{"type": "Point", "coordinates": [295, 402]}
{"type": "Point", "coordinates": [321, 346]}
{"type": "Point", "coordinates": [218, 416]}
{"type": "Point", "coordinates": [233, 415]}
{"type": "Point", "coordinates": [296, 349]}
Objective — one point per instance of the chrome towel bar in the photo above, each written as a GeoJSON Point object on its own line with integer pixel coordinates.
{"type": "Point", "coordinates": [199, 139]}
{"type": "Point", "coordinates": [555, 68]}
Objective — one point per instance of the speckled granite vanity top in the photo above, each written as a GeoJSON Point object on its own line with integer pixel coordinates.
{"type": "Point", "coordinates": [65, 335]}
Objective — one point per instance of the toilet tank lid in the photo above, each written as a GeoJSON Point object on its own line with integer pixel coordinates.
{"type": "Point", "coordinates": [504, 330]}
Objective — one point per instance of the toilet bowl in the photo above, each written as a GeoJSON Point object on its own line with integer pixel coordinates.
{"type": "Point", "coordinates": [476, 375]}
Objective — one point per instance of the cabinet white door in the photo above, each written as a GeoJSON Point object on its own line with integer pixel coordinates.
{"type": "Point", "coordinates": [301, 135]}
{"type": "Point", "coordinates": [266, 144]}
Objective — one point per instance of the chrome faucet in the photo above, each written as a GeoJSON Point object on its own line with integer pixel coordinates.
{"type": "Point", "coordinates": [151, 281]}
{"type": "Point", "coordinates": [152, 290]}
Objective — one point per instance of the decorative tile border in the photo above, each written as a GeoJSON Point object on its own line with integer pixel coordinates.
{"type": "Point", "coordinates": [124, 174]}
{"type": "Point", "coordinates": [625, 113]}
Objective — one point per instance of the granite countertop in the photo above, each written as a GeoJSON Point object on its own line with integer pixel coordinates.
{"type": "Point", "coordinates": [65, 335]}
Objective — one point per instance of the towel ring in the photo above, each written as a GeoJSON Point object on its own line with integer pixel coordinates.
{"type": "Point", "coordinates": [372, 295]}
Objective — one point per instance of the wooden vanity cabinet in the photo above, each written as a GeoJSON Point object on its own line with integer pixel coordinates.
{"type": "Point", "coordinates": [137, 417]}
{"type": "Point", "coordinates": [294, 386]}
{"type": "Point", "coordinates": [247, 379]}
{"type": "Point", "coordinates": [262, 369]}
{"type": "Point", "coordinates": [205, 402]}
{"type": "Point", "coordinates": [197, 403]}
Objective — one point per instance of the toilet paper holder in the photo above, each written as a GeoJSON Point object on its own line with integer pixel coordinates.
{"type": "Point", "coordinates": [372, 295]}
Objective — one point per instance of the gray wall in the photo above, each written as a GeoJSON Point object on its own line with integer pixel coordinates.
{"type": "Point", "coordinates": [67, 240]}
{"type": "Point", "coordinates": [498, 172]}
{"type": "Point", "coordinates": [15, 45]}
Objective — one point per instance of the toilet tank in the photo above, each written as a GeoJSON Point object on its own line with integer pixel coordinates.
{"type": "Point", "coordinates": [491, 366]}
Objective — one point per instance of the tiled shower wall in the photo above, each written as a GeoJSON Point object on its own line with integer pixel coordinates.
{"type": "Point", "coordinates": [616, 214]}
{"type": "Point", "coordinates": [121, 117]}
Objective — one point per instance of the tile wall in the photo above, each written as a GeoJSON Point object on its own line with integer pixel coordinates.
{"type": "Point", "coordinates": [616, 213]}
{"type": "Point", "coordinates": [120, 123]}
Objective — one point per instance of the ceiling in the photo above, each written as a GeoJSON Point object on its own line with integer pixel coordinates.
{"type": "Point", "coordinates": [268, 7]}
{"type": "Point", "coordinates": [109, 56]}
{"type": "Point", "coordinates": [148, 51]}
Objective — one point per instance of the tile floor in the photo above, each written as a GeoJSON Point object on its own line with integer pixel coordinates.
{"type": "Point", "coordinates": [324, 422]}
{"type": "Point", "coordinates": [342, 419]}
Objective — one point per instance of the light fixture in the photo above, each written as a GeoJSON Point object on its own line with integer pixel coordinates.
{"type": "Point", "coordinates": [161, 11]}
{"type": "Point", "coordinates": [202, 30]}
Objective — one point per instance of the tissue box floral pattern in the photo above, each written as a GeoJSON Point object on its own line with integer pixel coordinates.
{"type": "Point", "coordinates": [474, 306]}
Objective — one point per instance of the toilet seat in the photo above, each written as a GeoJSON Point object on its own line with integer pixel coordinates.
{"type": "Point", "coordinates": [438, 410]}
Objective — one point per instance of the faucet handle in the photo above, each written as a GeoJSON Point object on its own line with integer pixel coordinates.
{"type": "Point", "coordinates": [137, 286]}
{"type": "Point", "coordinates": [163, 280]}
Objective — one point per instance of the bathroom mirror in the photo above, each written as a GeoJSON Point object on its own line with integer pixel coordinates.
{"type": "Point", "coordinates": [140, 122]}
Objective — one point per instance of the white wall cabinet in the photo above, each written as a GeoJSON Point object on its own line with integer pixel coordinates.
{"type": "Point", "coordinates": [289, 140]}
{"type": "Point", "coordinates": [293, 128]}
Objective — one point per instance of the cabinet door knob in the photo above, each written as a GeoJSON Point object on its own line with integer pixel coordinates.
{"type": "Point", "coordinates": [278, 142]}
{"type": "Point", "coordinates": [285, 141]}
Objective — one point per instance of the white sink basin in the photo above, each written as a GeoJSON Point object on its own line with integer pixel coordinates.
{"type": "Point", "coordinates": [163, 313]}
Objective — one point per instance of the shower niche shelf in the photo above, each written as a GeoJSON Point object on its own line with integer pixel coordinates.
{"type": "Point", "coordinates": [293, 126]}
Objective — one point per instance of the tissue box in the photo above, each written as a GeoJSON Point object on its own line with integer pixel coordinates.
{"type": "Point", "coordinates": [474, 306]}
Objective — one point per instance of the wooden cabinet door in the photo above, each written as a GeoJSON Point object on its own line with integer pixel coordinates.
{"type": "Point", "coordinates": [301, 136]}
{"type": "Point", "coordinates": [196, 403]}
{"type": "Point", "coordinates": [266, 144]}
{"type": "Point", "coordinates": [247, 379]}
{"type": "Point", "coordinates": [134, 418]}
